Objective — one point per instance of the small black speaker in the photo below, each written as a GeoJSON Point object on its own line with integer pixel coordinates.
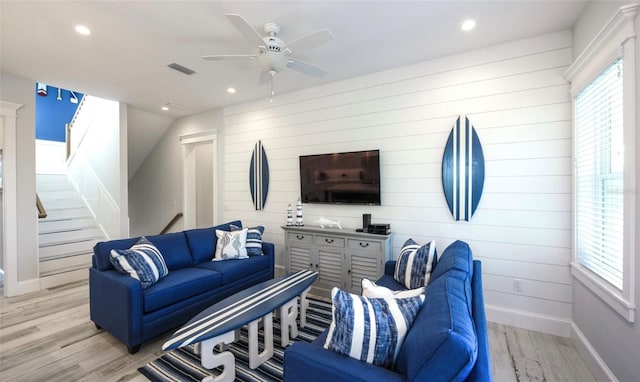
{"type": "Point", "coordinates": [366, 221]}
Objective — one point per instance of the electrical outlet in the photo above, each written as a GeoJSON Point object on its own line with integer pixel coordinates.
{"type": "Point", "coordinates": [517, 285]}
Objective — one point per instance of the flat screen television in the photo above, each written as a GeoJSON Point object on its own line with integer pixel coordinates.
{"type": "Point", "coordinates": [341, 178]}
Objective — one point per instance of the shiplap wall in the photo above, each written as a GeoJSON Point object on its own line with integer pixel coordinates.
{"type": "Point", "coordinates": [515, 96]}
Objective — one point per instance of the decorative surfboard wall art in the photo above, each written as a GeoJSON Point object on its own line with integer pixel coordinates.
{"type": "Point", "coordinates": [463, 170]}
{"type": "Point", "coordinates": [259, 176]}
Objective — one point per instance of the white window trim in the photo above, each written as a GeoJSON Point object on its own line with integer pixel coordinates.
{"type": "Point", "coordinates": [616, 39]}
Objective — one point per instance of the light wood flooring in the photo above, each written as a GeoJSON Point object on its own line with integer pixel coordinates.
{"type": "Point", "coordinates": [47, 336]}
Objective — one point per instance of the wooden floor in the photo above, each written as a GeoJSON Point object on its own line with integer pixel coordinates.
{"type": "Point", "coordinates": [47, 336]}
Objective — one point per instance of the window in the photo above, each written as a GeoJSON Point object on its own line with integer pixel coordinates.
{"type": "Point", "coordinates": [603, 88]}
{"type": "Point", "coordinates": [599, 175]}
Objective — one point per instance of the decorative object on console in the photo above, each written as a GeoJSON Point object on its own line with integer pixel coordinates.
{"type": "Point", "coordinates": [143, 261]}
{"type": "Point", "coordinates": [371, 330]}
{"type": "Point", "coordinates": [231, 245]}
{"type": "Point", "coordinates": [379, 229]}
{"type": "Point", "coordinates": [415, 263]}
{"type": "Point", "coordinates": [259, 176]}
{"type": "Point", "coordinates": [463, 170]}
{"type": "Point", "coordinates": [299, 220]}
{"type": "Point", "coordinates": [322, 222]}
{"type": "Point", "coordinates": [289, 215]}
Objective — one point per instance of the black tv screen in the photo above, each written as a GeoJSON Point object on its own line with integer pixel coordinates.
{"type": "Point", "coordinates": [341, 178]}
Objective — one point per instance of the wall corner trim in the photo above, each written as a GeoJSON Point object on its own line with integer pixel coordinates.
{"type": "Point", "coordinates": [596, 364]}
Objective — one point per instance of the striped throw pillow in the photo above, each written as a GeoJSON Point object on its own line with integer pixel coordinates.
{"type": "Point", "coordinates": [143, 261]}
{"type": "Point", "coordinates": [370, 329]}
{"type": "Point", "coordinates": [373, 290]}
{"type": "Point", "coordinates": [415, 263]}
{"type": "Point", "coordinates": [254, 239]}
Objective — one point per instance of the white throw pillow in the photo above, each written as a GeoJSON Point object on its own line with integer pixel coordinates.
{"type": "Point", "coordinates": [231, 245]}
{"type": "Point", "coordinates": [372, 290]}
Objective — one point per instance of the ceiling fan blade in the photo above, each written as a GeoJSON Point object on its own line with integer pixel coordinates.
{"type": "Point", "coordinates": [246, 29]}
{"type": "Point", "coordinates": [221, 57]}
{"type": "Point", "coordinates": [306, 68]}
{"type": "Point", "coordinates": [265, 77]}
{"type": "Point", "coordinates": [310, 41]}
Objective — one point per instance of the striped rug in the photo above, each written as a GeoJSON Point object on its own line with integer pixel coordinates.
{"type": "Point", "coordinates": [183, 364]}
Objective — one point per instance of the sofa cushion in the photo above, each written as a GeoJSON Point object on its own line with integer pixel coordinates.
{"type": "Point", "coordinates": [231, 245]}
{"type": "Point", "coordinates": [102, 251]}
{"type": "Point", "coordinates": [234, 270]}
{"type": "Point", "coordinates": [415, 263]}
{"type": "Point", "coordinates": [143, 261]}
{"type": "Point", "coordinates": [456, 256]}
{"type": "Point", "coordinates": [254, 239]}
{"type": "Point", "coordinates": [371, 330]}
{"type": "Point", "coordinates": [180, 285]}
{"type": "Point", "coordinates": [373, 290]}
{"type": "Point", "coordinates": [174, 248]}
{"type": "Point", "coordinates": [202, 241]}
{"type": "Point", "coordinates": [442, 343]}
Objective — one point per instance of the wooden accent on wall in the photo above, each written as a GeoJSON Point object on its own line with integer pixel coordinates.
{"type": "Point", "coordinates": [171, 223]}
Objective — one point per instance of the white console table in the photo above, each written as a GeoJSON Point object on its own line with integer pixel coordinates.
{"type": "Point", "coordinates": [341, 257]}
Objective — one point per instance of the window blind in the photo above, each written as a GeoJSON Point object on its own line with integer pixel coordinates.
{"type": "Point", "coordinates": [599, 160]}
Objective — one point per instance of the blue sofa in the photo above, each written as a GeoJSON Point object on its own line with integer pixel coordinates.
{"type": "Point", "coordinates": [133, 315]}
{"type": "Point", "coordinates": [447, 341]}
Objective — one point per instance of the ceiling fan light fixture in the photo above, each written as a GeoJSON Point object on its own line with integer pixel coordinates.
{"type": "Point", "coordinates": [165, 108]}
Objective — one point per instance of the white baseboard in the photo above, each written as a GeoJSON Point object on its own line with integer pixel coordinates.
{"type": "Point", "coordinates": [22, 287]}
{"type": "Point", "coordinates": [279, 270]}
{"type": "Point", "coordinates": [597, 366]}
{"type": "Point", "coordinates": [528, 320]}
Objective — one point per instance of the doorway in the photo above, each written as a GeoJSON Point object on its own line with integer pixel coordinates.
{"type": "Point", "coordinates": [199, 179]}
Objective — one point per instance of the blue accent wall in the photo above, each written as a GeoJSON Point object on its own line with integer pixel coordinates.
{"type": "Point", "coordinates": [52, 115]}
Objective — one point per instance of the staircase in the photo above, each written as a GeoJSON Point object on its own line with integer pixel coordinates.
{"type": "Point", "coordinates": [67, 235]}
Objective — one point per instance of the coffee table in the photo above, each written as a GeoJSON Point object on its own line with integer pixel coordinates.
{"type": "Point", "coordinates": [220, 324]}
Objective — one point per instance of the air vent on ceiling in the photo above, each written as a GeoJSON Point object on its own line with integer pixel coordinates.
{"type": "Point", "coordinates": [181, 68]}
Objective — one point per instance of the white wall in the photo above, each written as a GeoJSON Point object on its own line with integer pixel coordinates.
{"type": "Point", "coordinates": [614, 339]}
{"type": "Point", "coordinates": [22, 91]}
{"type": "Point", "coordinates": [155, 191]}
{"type": "Point", "coordinates": [515, 96]}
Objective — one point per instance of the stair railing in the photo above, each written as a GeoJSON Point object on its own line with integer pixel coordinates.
{"type": "Point", "coordinates": [42, 213]}
{"type": "Point", "coordinates": [171, 223]}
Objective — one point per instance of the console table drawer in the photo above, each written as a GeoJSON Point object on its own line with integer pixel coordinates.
{"type": "Point", "coordinates": [365, 245]}
{"type": "Point", "coordinates": [301, 238]}
{"type": "Point", "coordinates": [330, 241]}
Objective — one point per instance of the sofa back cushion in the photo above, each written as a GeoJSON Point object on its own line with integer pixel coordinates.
{"type": "Point", "coordinates": [456, 256]}
{"type": "Point", "coordinates": [102, 251]}
{"type": "Point", "coordinates": [174, 249]}
{"type": "Point", "coordinates": [202, 241]}
{"type": "Point", "coordinates": [441, 344]}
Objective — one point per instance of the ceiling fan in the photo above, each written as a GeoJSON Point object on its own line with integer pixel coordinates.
{"type": "Point", "coordinates": [273, 54]}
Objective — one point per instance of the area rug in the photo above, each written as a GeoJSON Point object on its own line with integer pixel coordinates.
{"type": "Point", "coordinates": [184, 365]}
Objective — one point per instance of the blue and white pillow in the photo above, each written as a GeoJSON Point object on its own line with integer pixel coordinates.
{"type": "Point", "coordinates": [373, 290]}
{"type": "Point", "coordinates": [254, 239]}
{"type": "Point", "coordinates": [231, 245]}
{"type": "Point", "coordinates": [415, 263]}
{"type": "Point", "coordinates": [370, 329]}
{"type": "Point", "coordinates": [143, 261]}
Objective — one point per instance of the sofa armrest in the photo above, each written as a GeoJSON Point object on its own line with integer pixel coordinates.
{"type": "Point", "coordinates": [269, 249]}
{"type": "Point", "coordinates": [481, 371]}
{"type": "Point", "coordinates": [390, 267]}
{"type": "Point", "coordinates": [115, 303]}
{"type": "Point", "coordinates": [310, 362]}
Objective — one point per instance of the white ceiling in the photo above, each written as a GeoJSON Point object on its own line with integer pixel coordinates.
{"type": "Point", "coordinates": [126, 56]}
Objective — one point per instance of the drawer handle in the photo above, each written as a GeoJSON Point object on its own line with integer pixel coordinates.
{"type": "Point", "coordinates": [349, 271]}
{"type": "Point", "coordinates": [364, 245]}
{"type": "Point", "coordinates": [300, 237]}
{"type": "Point", "coordinates": [329, 240]}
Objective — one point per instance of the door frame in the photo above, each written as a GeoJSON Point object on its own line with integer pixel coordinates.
{"type": "Point", "coordinates": [188, 143]}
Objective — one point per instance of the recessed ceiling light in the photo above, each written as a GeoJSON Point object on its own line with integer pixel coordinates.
{"type": "Point", "coordinates": [468, 25]}
{"type": "Point", "coordinates": [231, 90]}
{"type": "Point", "coordinates": [83, 30]}
{"type": "Point", "coordinates": [165, 108]}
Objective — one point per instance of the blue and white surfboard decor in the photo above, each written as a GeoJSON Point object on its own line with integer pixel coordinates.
{"type": "Point", "coordinates": [463, 170]}
{"type": "Point", "coordinates": [259, 176]}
